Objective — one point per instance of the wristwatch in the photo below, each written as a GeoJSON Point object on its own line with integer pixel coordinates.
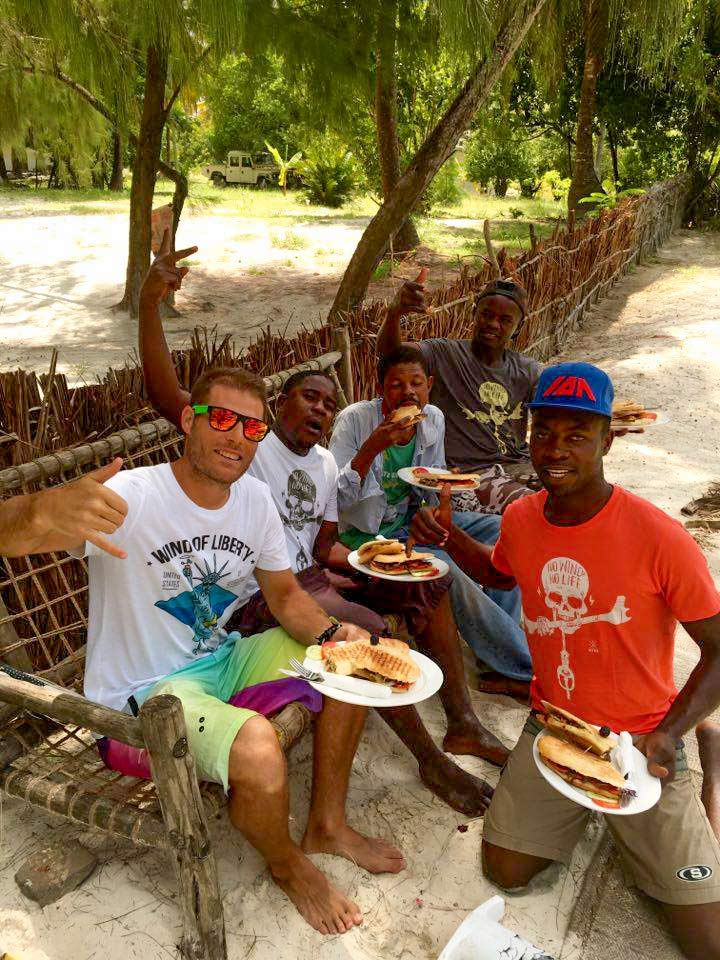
{"type": "Point", "coordinates": [329, 632]}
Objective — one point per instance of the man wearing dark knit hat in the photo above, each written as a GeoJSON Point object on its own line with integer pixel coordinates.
{"type": "Point", "coordinates": [483, 388]}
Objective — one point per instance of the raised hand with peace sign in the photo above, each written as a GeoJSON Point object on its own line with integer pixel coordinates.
{"type": "Point", "coordinates": [164, 275]}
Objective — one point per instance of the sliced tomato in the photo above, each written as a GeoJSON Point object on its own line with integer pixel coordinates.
{"type": "Point", "coordinates": [608, 805]}
{"type": "Point", "coordinates": [400, 687]}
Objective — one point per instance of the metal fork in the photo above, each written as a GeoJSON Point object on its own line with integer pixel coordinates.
{"type": "Point", "coordinates": [303, 671]}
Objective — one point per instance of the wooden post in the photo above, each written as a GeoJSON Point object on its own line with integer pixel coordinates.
{"type": "Point", "coordinates": [173, 771]}
{"type": "Point", "coordinates": [341, 343]}
{"type": "Point", "coordinates": [492, 257]}
{"type": "Point", "coordinates": [11, 650]}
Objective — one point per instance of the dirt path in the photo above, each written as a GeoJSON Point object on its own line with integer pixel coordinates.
{"type": "Point", "coordinates": [659, 338]}
{"type": "Point", "coordinates": [60, 275]}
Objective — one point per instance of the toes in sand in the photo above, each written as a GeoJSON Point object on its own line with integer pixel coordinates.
{"type": "Point", "coordinates": [324, 907]}
{"type": "Point", "coordinates": [371, 853]}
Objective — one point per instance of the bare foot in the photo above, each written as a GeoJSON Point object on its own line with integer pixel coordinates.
{"type": "Point", "coordinates": [708, 737]}
{"type": "Point", "coordinates": [472, 738]}
{"type": "Point", "coordinates": [325, 908]}
{"type": "Point", "coordinates": [457, 788]}
{"type": "Point", "coordinates": [371, 853]}
{"type": "Point", "coordinates": [493, 682]}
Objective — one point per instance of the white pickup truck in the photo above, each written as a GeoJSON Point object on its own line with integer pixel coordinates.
{"type": "Point", "coordinates": [257, 170]}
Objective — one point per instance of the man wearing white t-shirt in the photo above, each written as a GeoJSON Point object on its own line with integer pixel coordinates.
{"type": "Point", "coordinates": [196, 534]}
{"type": "Point", "coordinates": [302, 477]}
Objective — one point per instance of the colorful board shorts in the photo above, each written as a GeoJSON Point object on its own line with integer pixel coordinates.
{"type": "Point", "coordinates": [204, 688]}
{"type": "Point", "coordinates": [669, 852]}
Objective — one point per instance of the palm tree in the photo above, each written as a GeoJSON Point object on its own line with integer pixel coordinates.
{"type": "Point", "coordinates": [644, 31]}
{"type": "Point", "coordinates": [585, 179]}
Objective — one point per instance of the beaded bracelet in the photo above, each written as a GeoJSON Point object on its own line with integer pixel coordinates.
{"type": "Point", "coordinates": [329, 632]}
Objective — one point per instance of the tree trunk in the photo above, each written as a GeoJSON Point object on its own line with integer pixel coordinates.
{"type": "Point", "coordinates": [501, 186]}
{"type": "Point", "coordinates": [435, 150]}
{"type": "Point", "coordinates": [406, 238]}
{"type": "Point", "coordinates": [145, 166]}
{"type": "Point", "coordinates": [614, 157]}
{"type": "Point", "coordinates": [584, 179]}
{"type": "Point", "coordinates": [599, 151]}
{"type": "Point", "coordinates": [3, 169]}
{"type": "Point", "coordinates": [116, 176]}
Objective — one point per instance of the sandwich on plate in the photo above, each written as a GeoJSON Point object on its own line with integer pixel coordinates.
{"type": "Point", "coordinates": [597, 778]}
{"type": "Point", "coordinates": [628, 413]}
{"type": "Point", "coordinates": [389, 557]}
{"type": "Point", "coordinates": [387, 661]}
{"type": "Point", "coordinates": [564, 725]}
{"type": "Point", "coordinates": [438, 478]}
{"type": "Point", "coordinates": [411, 410]}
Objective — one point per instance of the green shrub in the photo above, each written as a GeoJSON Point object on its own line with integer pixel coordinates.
{"type": "Point", "coordinates": [445, 189]}
{"type": "Point", "coordinates": [499, 160]}
{"type": "Point", "coordinates": [557, 184]}
{"type": "Point", "coordinates": [516, 212]}
{"type": "Point", "coordinates": [329, 173]}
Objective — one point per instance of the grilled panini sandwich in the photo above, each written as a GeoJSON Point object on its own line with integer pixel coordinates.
{"type": "Point", "coordinates": [597, 778]}
{"type": "Point", "coordinates": [563, 724]}
{"type": "Point", "coordinates": [385, 662]}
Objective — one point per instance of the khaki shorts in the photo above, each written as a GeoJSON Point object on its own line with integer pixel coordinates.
{"type": "Point", "coordinates": [670, 852]}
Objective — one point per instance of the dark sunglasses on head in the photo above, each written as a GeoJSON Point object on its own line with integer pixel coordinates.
{"type": "Point", "coordinates": [223, 419]}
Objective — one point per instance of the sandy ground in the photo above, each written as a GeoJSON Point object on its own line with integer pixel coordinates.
{"type": "Point", "coordinates": [658, 337]}
{"type": "Point", "coordinates": [60, 276]}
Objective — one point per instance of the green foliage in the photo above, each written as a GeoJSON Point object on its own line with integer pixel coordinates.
{"type": "Point", "coordinates": [498, 158]}
{"type": "Point", "coordinates": [251, 102]}
{"type": "Point", "coordinates": [516, 212]}
{"type": "Point", "coordinates": [608, 201]}
{"type": "Point", "coordinates": [556, 184]}
{"type": "Point", "coordinates": [445, 189]}
{"type": "Point", "coordinates": [189, 138]}
{"type": "Point", "coordinates": [329, 173]}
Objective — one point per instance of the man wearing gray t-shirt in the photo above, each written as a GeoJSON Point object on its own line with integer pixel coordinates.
{"type": "Point", "coordinates": [482, 387]}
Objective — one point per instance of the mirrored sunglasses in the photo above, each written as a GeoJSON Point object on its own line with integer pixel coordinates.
{"type": "Point", "coordinates": [224, 419]}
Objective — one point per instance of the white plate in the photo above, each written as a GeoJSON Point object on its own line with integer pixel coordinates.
{"type": "Point", "coordinates": [428, 683]}
{"type": "Point", "coordinates": [440, 566]}
{"type": "Point", "coordinates": [647, 786]}
{"type": "Point", "coordinates": [659, 420]}
{"type": "Point", "coordinates": [406, 474]}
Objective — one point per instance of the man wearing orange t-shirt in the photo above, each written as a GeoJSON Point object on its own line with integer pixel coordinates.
{"type": "Point", "coordinates": [605, 578]}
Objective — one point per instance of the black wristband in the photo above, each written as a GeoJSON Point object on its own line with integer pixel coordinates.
{"type": "Point", "coordinates": [330, 632]}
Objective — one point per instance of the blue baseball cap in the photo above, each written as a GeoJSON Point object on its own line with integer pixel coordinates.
{"type": "Point", "coordinates": [574, 386]}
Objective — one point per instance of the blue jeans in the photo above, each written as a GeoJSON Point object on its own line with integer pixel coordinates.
{"type": "Point", "coordinates": [488, 619]}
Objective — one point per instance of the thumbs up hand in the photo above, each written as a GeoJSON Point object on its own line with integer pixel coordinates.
{"type": "Point", "coordinates": [410, 297]}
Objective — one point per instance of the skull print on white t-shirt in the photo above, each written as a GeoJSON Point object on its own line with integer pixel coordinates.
{"type": "Point", "coordinates": [566, 590]}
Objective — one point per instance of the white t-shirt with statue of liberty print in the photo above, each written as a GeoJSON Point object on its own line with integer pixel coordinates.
{"type": "Point", "coordinates": [187, 569]}
{"type": "Point", "coordinates": [304, 489]}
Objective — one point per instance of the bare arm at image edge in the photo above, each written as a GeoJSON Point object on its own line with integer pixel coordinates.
{"type": "Point", "coordinates": [64, 518]}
